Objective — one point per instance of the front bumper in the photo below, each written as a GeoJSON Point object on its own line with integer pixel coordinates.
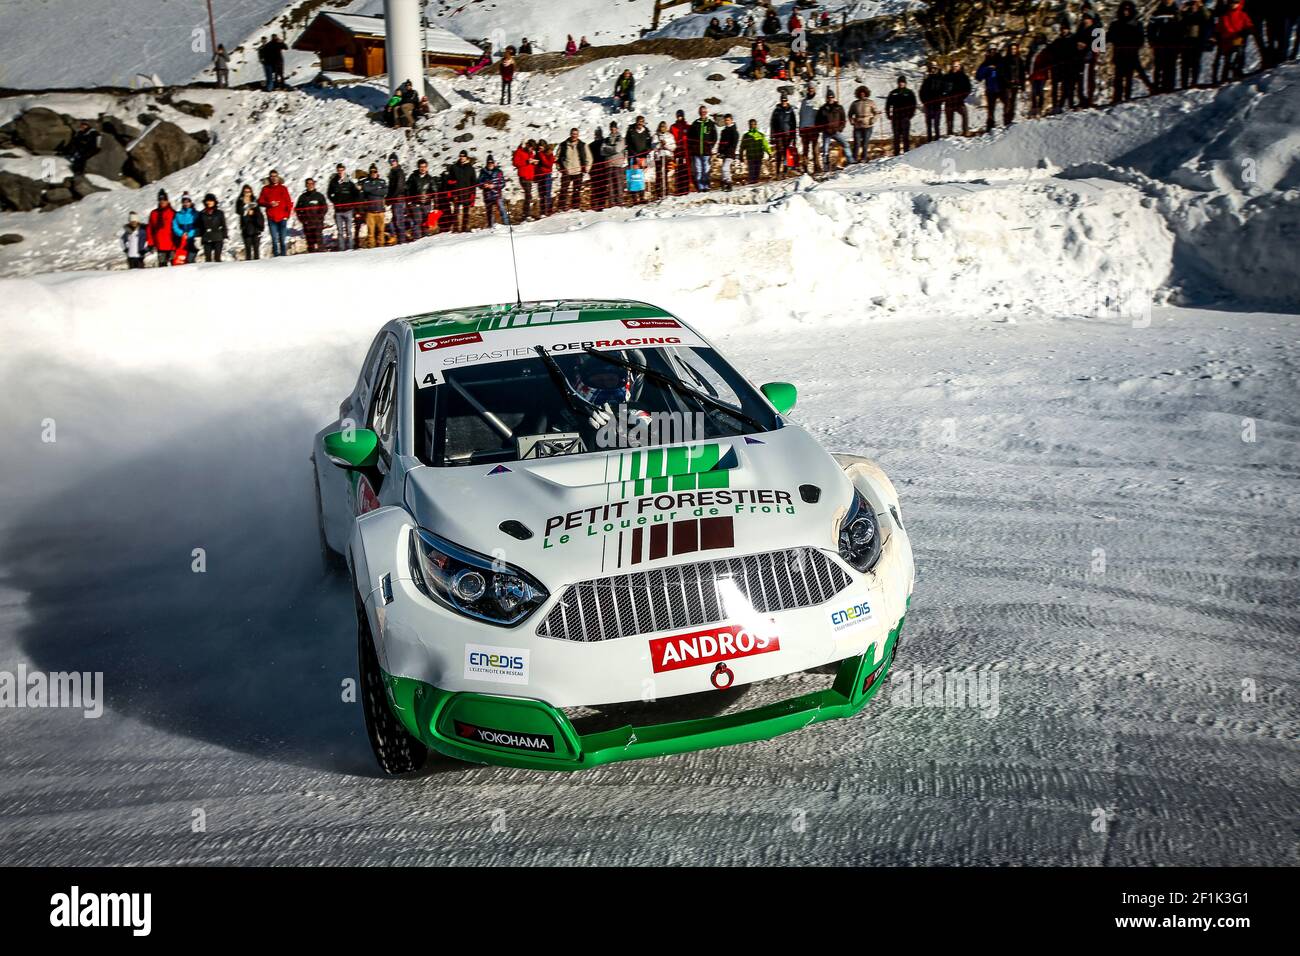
{"type": "Point", "coordinates": [534, 735]}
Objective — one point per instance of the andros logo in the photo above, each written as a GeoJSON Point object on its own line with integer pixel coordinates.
{"type": "Point", "coordinates": [722, 643]}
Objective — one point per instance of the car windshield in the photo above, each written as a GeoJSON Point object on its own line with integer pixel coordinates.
{"type": "Point", "coordinates": [584, 402]}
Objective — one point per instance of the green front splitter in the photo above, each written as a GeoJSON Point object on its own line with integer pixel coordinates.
{"type": "Point", "coordinates": [434, 717]}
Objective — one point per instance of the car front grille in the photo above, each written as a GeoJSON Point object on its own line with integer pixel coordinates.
{"type": "Point", "coordinates": [689, 595]}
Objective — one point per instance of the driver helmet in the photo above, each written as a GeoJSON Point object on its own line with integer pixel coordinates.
{"type": "Point", "coordinates": [604, 383]}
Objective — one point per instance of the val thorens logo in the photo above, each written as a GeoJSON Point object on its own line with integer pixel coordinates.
{"type": "Point", "coordinates": [710, 646]}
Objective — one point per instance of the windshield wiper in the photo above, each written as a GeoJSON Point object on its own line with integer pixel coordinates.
{"type": "Point", "coordinates": [678, 386]}
{"type": "Point", "coordinates": [557, 376]}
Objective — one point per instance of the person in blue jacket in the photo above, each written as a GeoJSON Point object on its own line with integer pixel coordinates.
{"type": "Point", "coordinates": [493, 183]}
{"type": "Point", "coordinates": [185, 226]}
{"type": "Point", "coordinates": [989, 74]}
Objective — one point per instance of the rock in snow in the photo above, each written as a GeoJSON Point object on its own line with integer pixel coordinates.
{"type": "Point", "coordinates": [163, 149]}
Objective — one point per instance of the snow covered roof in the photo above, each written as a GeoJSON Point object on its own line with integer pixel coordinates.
{"type": "Point", "coordinates": [436, 39]}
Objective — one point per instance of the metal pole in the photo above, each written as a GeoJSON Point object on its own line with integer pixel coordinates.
{"type": "Point", "coordinates": [212, 30]}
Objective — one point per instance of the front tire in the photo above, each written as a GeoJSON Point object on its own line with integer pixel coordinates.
{"type": "Point", "coordinates": [396, 751]}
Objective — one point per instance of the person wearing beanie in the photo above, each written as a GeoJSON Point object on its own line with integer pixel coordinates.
{"type": "Point", "coordinates": [311, 208]}
{"type": "Point", "coordinates": [135, 242]}
{"type": "Point", "coordinates": [375, 193]}
{"type": "Point", "coordinates": [185, 225]}
{"type": "Point", "coordinates": [159, 233]}
{"type": "Point", "coordinates": [406, 105]}
{"type": "Point", "coordinates": [464, 183]}
{"type": "Point", "coordinates": [900, 107]}
{"type": "Point", "coordinates": [212, 229]}
{"type": "Point", "coordinates": [397, 194]}
{"type": "Point", "coordinates": [681, 131]}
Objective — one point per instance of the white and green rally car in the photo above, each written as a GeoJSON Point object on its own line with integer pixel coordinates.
{"type": "Point", "coordinates": [577, 535]}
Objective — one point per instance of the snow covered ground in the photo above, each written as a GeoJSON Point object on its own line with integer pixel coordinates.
{"type": "Point", "coordinates": [1020, 449]}
{"type": "Point", "coordinates": [1102, 491]}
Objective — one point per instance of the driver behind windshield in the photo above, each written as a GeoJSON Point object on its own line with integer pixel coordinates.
{"type": "Point", "coordinates": [613, 392]}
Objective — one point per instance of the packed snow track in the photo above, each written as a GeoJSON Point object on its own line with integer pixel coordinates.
{"type": "Point", "coordinates": [1089, 525]}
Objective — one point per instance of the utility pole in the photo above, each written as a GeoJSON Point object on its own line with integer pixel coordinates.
{"type": "Point", "coordinates": [212, 31]}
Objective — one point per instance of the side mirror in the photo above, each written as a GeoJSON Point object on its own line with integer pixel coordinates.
{"type": "Point", "coordinates": [781, 395]}
{"type": "Point", "coordinates": [353, 448]}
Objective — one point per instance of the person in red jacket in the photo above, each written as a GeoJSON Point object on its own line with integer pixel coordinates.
{"type": "Point", "coordinates": [159, 231]}
{"type": "Point", "coordinates": [1230, 34]}
{"type": "Point", "coordinates": [681, 131]}
{"type": "Point", "coordinates": [524, 160]}
{"type": "Point", "coordinates": [544, 176]}
{"type": "Point", "coordinates": [277, 202]}
{"type": "Point", "coordinates": [507, 75]}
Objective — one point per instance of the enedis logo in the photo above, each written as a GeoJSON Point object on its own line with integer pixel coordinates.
{"type": "Point", "coordinates": [858, 613]}
{"type": "Point", "coordinates": [710, 646]}
{"type": "Point", "coordinates": [502, 665]}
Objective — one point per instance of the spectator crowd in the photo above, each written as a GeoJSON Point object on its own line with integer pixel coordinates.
{"type": "Point", "coordinates": [618, 166]}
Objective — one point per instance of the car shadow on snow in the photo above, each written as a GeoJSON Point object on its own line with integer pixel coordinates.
{"type": "Point", "coordinates": [250, 653]}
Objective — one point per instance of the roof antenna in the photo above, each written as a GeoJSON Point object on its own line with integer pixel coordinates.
{"type": "Point", "coordinates": [510, 227]}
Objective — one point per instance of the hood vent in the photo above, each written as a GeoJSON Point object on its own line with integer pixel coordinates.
{"type": "Point", "coordinates": [515, 529]}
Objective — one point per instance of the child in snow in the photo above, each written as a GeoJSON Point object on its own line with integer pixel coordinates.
{"type": "Point", "coordinates": [135, 242]}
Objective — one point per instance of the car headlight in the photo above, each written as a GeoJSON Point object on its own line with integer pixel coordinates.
{"type": "Point", "coordinates": [860, 535]}
{"type": "Point", "coordinates": [472, 584]}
